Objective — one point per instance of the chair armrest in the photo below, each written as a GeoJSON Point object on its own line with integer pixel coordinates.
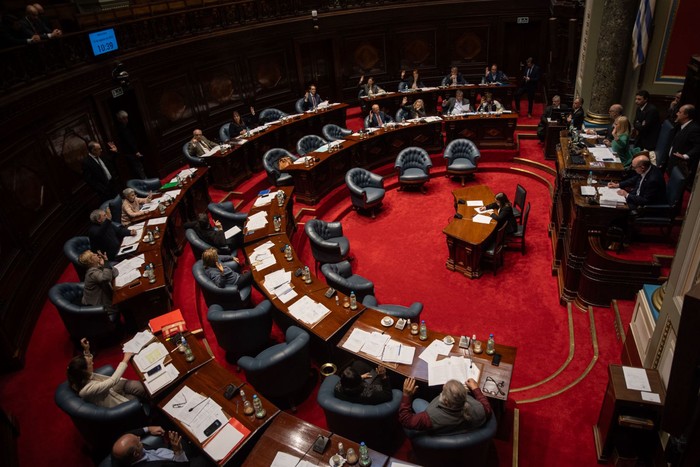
{"type": "Point", "coordinates": [335, 229]}
{"type": "Point", "coordinates": [344, 269]}
{"type": "Point", "coordinates": [370, 300]}
{"type": "Point", "coordinates": [376, 181]}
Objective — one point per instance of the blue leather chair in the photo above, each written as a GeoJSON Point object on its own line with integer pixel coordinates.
{"type": "Point", "coordinates": [226, 213]}
{"type": "Point", "coordinates": [115, 207]}
{"type": "Point", "coordinates": [241, 332]}
{"type": "Point", "coordinates": [333, 132]}
{"type": "Point", "coordinates": [299, 105]}
{"type": "Point", "coordinates": [198, 245]}
{"type": "Point", "coordinates": [452, 449]}
{"type": "Point", "coordinates": [462, 158]}
{"type": "Point", "coordinates": [93, 322]}
{"type": "Point", "coordinates": [374, 424]}
{"type": "Point", "coordinates": [328, 245]}
{"type": "Point", "coordinates": [366, 189]}
{"type": "Point", "coordinates": [100, 426]}
{"type": "Point", "coordinates": [309, 143]}
{"type": "Point", "coordinates": [230, 297]}
{"type": "Point", "coordinates": [143, 187]}
{"type": "Point", "coordinates": [340, 277]}
{"type": "Point", "coordinates": [270, 115]}
{"type": "Point", "coordinates": [282, 370]}
{"type": "Point", "coordinates": [224, 134]}
{"type": "Point", "coordinates": [399, 311]}
{"type": "Point", "coordinates": [402, 115]}
{"type": "Point", "coordinates": [193, 161]}
{"type": "Point", "coordinates": [413, 165]}
{"type": "Point", "coordinates": [663, 144]}
{"type": "Point", "coordinates": [73, 248]}
{"type": "Point", "coordinates": [270, 162]}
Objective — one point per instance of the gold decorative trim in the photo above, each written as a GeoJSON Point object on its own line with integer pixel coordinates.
{"type": "Point", "coordinates": [568, 359]}
{"type": "Point", "coordinates": [594, 339]}
{"type": "Point", "coordinates": [662, 343]}
{"type": "Point", "coordinates": [516, 435]}
{"type": "Point", "coordinates": [598, 119]}
{"type": "Point", "coordinates": [539, 165]}
{"type": "Point", "coordinates": [619, 328]}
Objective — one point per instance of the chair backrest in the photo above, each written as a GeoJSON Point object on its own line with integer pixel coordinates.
{"type": "Point", "coordinates": [526, 214]}
{"type": "Point", "coordinates": [675, 188]}
{"type": "Point", "coordinates": [520, 195]}
{"type": "Point", "coordinates": [270, 162]}
{"type": "Point", "coordinates": [193, 161]}
{"type": "Point", "coordinates": [358, 178]}
{"type": "Point", "coordinates": [143, 187]}
{"type": "Point", "coordinates": [229, 297]}
{"type": "Point", "coordinates": [500, 237]}
{"type": "Point", "coordinates": [241, 332]}
{"type": "Point", "coordinates": [270, 115]}
{"type": "Point", "coordinates": [413, 157]}
{"type": "Point", "coordinates": [115, 206]}
{"type": "Point", "coordinates": [366, 121]}
{"type": "Point", "coordinates": [299, 105]}
{"type": "Point", "coordinates": [401, 114]}
{"type": "Point", "coordinates": [226, 213]}
{"type": "Point", "coordinates": [73, 248]}
{"type": "Point", "coordinates": [198, 245]}
{"type": "Point", "coordinates": [463, 148]}
{"type": "Point", "coordinates": [333, 132]}
{"type": "Point", "coordinates": [224, 134]}
{"type": "Point", "coordinates": [309, 143]}
{"type": "Point", "coordinates": [663, 144]}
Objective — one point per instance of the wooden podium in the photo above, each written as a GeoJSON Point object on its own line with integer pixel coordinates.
{"type": "Point", "coordinates": [625, 414]}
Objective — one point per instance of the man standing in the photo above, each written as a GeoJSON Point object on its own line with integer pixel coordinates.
{"type": "Point", "coordinates": [127, 145]}
{"type": "Point", "coordinates": [199, 144]}
{"type": "Point", "coordinates": [494, 75]}
{"type": "Point", "coordinates": [685, 148]}
{"type": "Point", "coordinates": [530, 80]}
{"type": "Point", "coordinates": [646, 122]}
{"type": "Point", "coordinates": [34, 27]}
{"type": "Point", "coordinates": [99, 173]}
{"type": "Point", "coordinates": [548, 112]}
{"type": "Point", "coordinates": [104, 235]}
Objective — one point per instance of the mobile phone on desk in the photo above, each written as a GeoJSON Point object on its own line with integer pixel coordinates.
{"type": "Point", "coordinates": [496, 359]}
{"type": "Point", "coordinates": [212, 428]}
{"type": "Point", "coordinates": [154, 370]}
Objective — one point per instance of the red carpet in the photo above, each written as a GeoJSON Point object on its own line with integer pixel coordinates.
{"type": "Point", "coordinates": [403, 251]}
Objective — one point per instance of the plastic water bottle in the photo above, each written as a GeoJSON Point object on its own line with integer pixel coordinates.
{"type": "Point", "coordinates": [189, 356]}
{"type": "Point", "coordinates": [353, 301]}
{"type": "Point", "coordinates": [589, 181]}
{"type": "Point", "coordinates": [288, 252]}
{"type": "Point", "coordinates": [247, 406]}
{"type": "Point", "coordinates": [423, 331]}
{"type": "Point", "coordinates": [307, 275]}
{"type": "Point", "coordinates": [364, 455]}
{"type": "Point", "coordinates": [490, 345]}
{"type": "Point", "coordinates": [150, 273]}
{"type": "Point", "coordinates": [257, 405]}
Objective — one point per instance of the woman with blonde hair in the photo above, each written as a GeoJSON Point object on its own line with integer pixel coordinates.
{"type": "Point", "coordinates": [620, 143]}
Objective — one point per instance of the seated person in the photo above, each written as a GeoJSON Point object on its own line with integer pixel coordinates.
{"type": "Point", "coordinates": [489, 104]}
{"type": "Point", "coordinates": [621, 144]}
{"type": "Point", "coordinates": [575, 118]}
{"type": "Point", "coordinates": [98, 279]}
{"type": "Point", "coordinates": [453, 411]}
{"type": "Point", "coordinates": [359, 384]}
{"type": "Point", "coordinates": [647, 186]}
{"type": "Point", "coordinates": [411, 83]}
{"type": "Point", "coordinates": [417, 110]}
{"type": "Point", "coordinates": [457, 105]}
{"type": "Point", "coordinates": [251, 120]}
{"type": "Point", "coordinates": [104, 235]}
{"type": "Point", "coordinates": [311, 99]}
{"type": "Point", "coordinates": [615, 110]}
{"type": "Point", "coordinates": [128, 450]}
{"type": "Point", "coordinates": [377, 118]}
{"type": "Point", "coordinates": [131, 206]}
{"type": "Point", "coordinates": [504, 214]}
{"type": "Point", "coordinates": [370, 89]}
{"type": "Point", "coordinates": [199, 144]}
{"type": "Point", "coordinates": [215, 236]}
{"type": "Point", "coordinates": [223, 275]}
{"type": "Point", "coordinates": [101, 390]}
{"type": "Point", "coordinates": [494, 75]}
{"type": "Point", "coordinates": [550, 112]}
{"type": "Point", "coordinates": [237, 126]}
{"type": "Point", "coordinates": [455, 78]}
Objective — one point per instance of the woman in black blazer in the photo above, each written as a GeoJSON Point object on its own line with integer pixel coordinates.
{"type": "Point", "coordinates": [504, 214]}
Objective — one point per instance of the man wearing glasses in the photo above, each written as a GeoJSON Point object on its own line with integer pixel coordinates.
{"type": "Point", "coordinates": [647, 186]}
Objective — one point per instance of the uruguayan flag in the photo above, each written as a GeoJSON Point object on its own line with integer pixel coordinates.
{"type": "Point", "coordinates": [642, 31]}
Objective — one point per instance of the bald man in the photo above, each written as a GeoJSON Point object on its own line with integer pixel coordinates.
{"type": "Point", "coordinates": [128, 449]}
{"type": "Point", "coordinates": [646, 187]}
{"type": "Point", "coordinates": [199, 144]}
{"type": "Point", "coordinates": [377, 118]}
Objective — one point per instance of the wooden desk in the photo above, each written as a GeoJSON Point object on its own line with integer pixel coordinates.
{"type": "Point", "coordinates": [487, 131]}
{"type": "Point", "coordinates": [273, 209]}
{"type": "Point", "coordinates": [176, 358]}
{"type": "Point", "coordinates": [291, 435]}
{"type": "Point", "coordinates": [473, 92]}
{"type": "Point", "coordinates": [370, 321]}
{"type": "Point", "coordinates": [553, 132]}
{"type": "Point", "coordinates": [464, 236]}
{"type": "Point", "coordinates": [234, 166]}
{"type": "Point", "coordinates": [378, 148]}
{"type": "Point", "coordinates": [211, 381]}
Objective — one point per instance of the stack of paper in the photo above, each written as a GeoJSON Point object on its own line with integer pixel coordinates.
{"type": "Point", "coordinates": [212, 151]}
{"type": "Point", "coordinates": [195, 412]}
{"type": "Point", "coordinates": [224, 441]}
{"type": "Point", "coordinates": [282, 459]}
{"type": "Point", "coordinates": [603, 154]}
{"type": "Point", "coordinates": [395, 352]}
{"type": "Point", "coordinates": [278, 283]}
{"type": "Point", "coordinates": [374, 345]}
{"type": "Point", "coordinates": [356, 340]}
{"type": "Point", "coordinates": [150, 356]}
{"type": "Point", "coordinates": [609, 197]}
{"type": "Point", "coordinates": [459, 368]}
{"type": "Point", "coordinates": [433, 118]}
{"type": "Point", "coordinates": [475, 202]}
{"type": "Point", "coordinates": [481, 219]}
{"type": "Point", "coordinates": [256, 221]}
{"type": "Point", "coordinates": [138, 341]}
{"type": "Point", "coordinates": [263, 200]}
{"type": "Point", "coordinates": [128, 270]}
{"type": "Point", "coordinates": [308, 311]}
{"type": "Point", "coordinates": [437, 347]}
{"type": "Point", "coordinates": [159, 380]}
{"type": "Point", "coordinates": [157, 221]}
{"type": "Point", "coordinates": [262, 256]}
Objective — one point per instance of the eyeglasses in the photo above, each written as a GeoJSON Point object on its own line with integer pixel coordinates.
{"type": "Point", "coordinates": [493, 387]}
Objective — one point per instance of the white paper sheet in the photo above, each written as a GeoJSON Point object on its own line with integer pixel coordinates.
{"type": "Point", "coordinates": [474, 202]}
{"type": "Point", "coordinates": [127, 278]}
{"type": "Point", "coordinates": [481, 219]}
{"type": "Point", "coordinates": [263, 200]}
{"type": "Point", "coordinates": [636, 379]}
{"type": "Point", "coordinates": [150, 356]}
{"type": "Point", "coordinates": [282, 459]}
{"type": "Point", "coordinates": [232, 231]}
{"type": "Point", "coordinates": [374, 344]}
{"type": "Point", "coordinates": [439, 372]}
{"type": "Point", "coordinates": [588, 190]}
{"type": "Point", "coordinates": [223, 442]}
{"type": "Point", "coordinates": [257, 220]}
{"type": "Point", "coordinates": [437, 347]}
{"type": "Point", "coordinates": [158, 220]}
{"type": "Point", "coordinates": [161, 379]}
{"type": "Point", "coordinates": [136, 343]}
{"type": "Point", "coordinates": [395, 352]}
{"type": "Point", "coordinates": [651, 397]}
{"type": "Point", "coordinates": [356, 340]}
{"type": "Point", "coordinates": [308, 310]}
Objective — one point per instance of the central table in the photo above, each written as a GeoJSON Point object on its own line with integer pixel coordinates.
{"type": "Point", "coordinates": [465, 237]}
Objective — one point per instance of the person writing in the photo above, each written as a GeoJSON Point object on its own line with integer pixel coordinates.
{"type": "Point", "coordinates": [504, 214]}
{"type": "Point", "coordinates": [102, 390]}
{"type": "Point", "coordinates": [220, 274]}
{"type": "Point", "coordinates": [359, 384]}
{"type": "Point", "coordinates": [460, 407]}
{"type": "Point", "coordinates": [646, 187]}
{"type": "Point", "coordinates": [131, 206]}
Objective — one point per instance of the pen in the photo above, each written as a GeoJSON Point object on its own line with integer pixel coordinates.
{"type": "Point", "coordinates": [399, 349]}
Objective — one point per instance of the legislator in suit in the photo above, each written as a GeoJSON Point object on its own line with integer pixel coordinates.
{"type": "Point", "coordinates": [99, 172]}
{"type": "Point", "coordinates": [104, 235]}
{"type": "Point", "coordinates": [128, 147]}
{"type": "Point", "coordinates": [455, 78]}
{"type": "Point", "coordinates": [129, 450]}
{"type": "Point", "coordinates": [530, 79]}
{"type": "Point", "coordinates": [311, 99]}
{"type": "Point", "coordinates": [685, 148]}
{"type": "Point", "coordinates": [199, 144]}
{"type": "Point", "coordinates": [647, 186]}
{"type": "Point", "coordinates": [575, 119]}
{"type": "Point", "coordinates": [647, 122]}
{"type": "Point", "coordinates": [457, 105]}
{"type": "Point", "coordinates": [410, 83]}
{"type": "Point", "coordinates": [548, 113]}
{"type": "Point", "coordinates": [377, 118]}
{"type": "Point", "coordinates": [494, 75]}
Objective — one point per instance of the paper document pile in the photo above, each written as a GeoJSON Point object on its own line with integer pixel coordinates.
{"type": "Point", "coordinates": [195, 412]}
{"type": "Point", "coordinates": [262, 256]}
{"type": "Point", "coordinates": [609, 197]}
{"type": "Point", "coordinates": [308, 310]}
{"type": "Point", "coordinates": [256, 221]}
{"type": "Point", "coordinates": [128, 270]}
{"type": "Point", "coordinates": [481, 219]}
{"type": "Point", "coordinates": [459, 368]}
{"type": "Point", "coordinates": [278, 283]}
{"type": "Point", "coordinates": [379, 346]}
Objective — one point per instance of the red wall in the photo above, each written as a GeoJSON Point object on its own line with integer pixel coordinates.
{"type": "Point", "coordinates": [684, 39]}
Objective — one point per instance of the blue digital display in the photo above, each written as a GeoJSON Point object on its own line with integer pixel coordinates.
{"type": "Point", "coordinates": [103, 42]}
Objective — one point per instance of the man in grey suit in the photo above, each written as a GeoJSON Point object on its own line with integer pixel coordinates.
{"type": "Point", "coordinates": [457, 105]}
{"type": "Point", "coordinates": [199, 144]}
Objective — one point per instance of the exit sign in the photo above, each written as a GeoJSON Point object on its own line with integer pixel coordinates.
{"type": "Point", "coordinates": [523, 19]}
{"type": "Point", "coordinates": [116, 92]}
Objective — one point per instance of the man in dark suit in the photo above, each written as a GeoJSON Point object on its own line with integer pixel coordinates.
{"type": "Point", "coordinates": [548, 112]}
{"type": "Point", "coordinates": [685, 148]}
{"type": "Point", "coordinates": [530, 80]}
{"type": "Point", "coordinates": [494, 75]}
{"type": "Point", "coordinates": [647, 186]}
{"type": "Point", "coordinates": [311, 98]}
{"type": "Point", "coordinates": [575, 119]}
{"type": "Point", "coordinates": [104, 235]}
{"type": "Point", "coordinates": [128, 449]}
{"type": "Point", "coordinates": [455, 78]}
{"type": "Point", "coordinates": [647, 122]}
{"type": "Point", "coordinates": [99, 172]}
{"type": "Point", "coordinates": [128, 146]}
{"type": "Point", "coordinates": [377, 118]}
